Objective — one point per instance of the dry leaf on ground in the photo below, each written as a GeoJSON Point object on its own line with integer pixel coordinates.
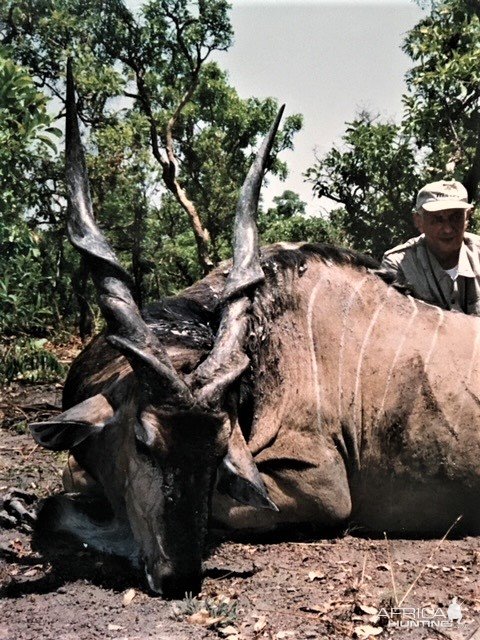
{"type": "Point", "coordinates": [364, 608]}
{"type": "Point", "coordinates": [365, 631]}
{"type": "Point", "coordinates": [260, 624]}
{"type": "Point", "coordinates": [128, 596]}
{"type": "Point", "coordinates": [203, 618]}
{"type": "Point", "coordinates": [315, 575]}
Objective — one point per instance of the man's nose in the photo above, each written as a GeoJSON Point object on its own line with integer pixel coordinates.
{"type": "Point", "coordinates": [448, 226]}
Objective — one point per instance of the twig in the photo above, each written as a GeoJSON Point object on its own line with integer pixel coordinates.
{"type": "Point", "coordinates": [472, 635]}
{"type": "Point", "coordinates": [362, 577]}
{"type": "Point", "coordinates": [313, 544]}
{"type": "Point", "coordinates": [429, 559]}
{"type": "Point", "coordinates": [32, 451]}
{"type": "Point", "coordinates": [442, 634]}
{"type": "Point", "coordinates": [392, 572]}
{"type": "Point", "coordinates": [17, 407]}
{"type": "Point", "coordinates": [38, 406]}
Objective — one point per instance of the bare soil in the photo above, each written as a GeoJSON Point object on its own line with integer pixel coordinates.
{"type": "Point", "coordinates": [327, 588]}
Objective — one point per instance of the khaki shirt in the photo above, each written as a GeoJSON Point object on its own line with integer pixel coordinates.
{"type": "Point", "coordinates": [417, 267]}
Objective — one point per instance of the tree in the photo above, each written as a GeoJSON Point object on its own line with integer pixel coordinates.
{"type": "Point", "coordinates": [378, 169]}
{"type": "Point", "coordinates": [168, 139]}
{"type": "Point", "coordinates": [288, 205]}
{"type": "Point", "coordinates": [27, 143]}
{"type": "Point", "coordinates": [158, 60]}
{"type": "Point", "coordinates": [442, 105]}
{"type": "Point", "coordinates": [26, 138]}
{"type": "Point", "coordinates": [374, 176]}
{"type": "Point", "coordinates": [288, 222]}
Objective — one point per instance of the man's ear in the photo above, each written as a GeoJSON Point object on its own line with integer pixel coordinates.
{"type": "Point", "coordinates": [418, 221]}
{"type": "Point", "coordinates": [73, 426]}
{"type": "Point", "coordinates": [468, 215]}
{"type": "Point", "coordinates": [238, 476]}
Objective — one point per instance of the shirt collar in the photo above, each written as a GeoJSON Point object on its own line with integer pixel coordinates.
{"type": "Point", "coordinates": [464, 268]}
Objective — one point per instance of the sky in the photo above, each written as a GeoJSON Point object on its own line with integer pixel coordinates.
{"type": "Point", "coordinates": [326, 60]}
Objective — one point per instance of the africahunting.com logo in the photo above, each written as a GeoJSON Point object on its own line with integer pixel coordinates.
{"type": "Point", "coordinates": [430, 617]}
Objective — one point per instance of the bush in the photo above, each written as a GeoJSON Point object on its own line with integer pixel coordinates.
{"type": "Point", "coordinates": [26, 359]}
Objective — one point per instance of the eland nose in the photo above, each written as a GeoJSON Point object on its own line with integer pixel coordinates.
{"type": "Point", "coordinates": [172, 584]}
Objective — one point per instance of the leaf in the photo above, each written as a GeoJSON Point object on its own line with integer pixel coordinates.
{"type": "Point", "coordinates": [366, 631]}
{"type": "Point", "coordinates": [46, 140]}
{"type": "Point", "coordinates": [314, 608]}
{"type": "Point", "coordinates": [54, 131]}
{"type": "Point", "coordinates": [371, 611]}
{"type": "Point", "coordinates": [128, 596]}
{"type": "Point", "coordinates": [203, 618]}
{"type": "Point", "coordinates": [260, 624]}
{"type": "Point", "coordinates": [315, 575]}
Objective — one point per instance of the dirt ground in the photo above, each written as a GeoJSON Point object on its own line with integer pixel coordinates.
{"type": "Point", "coordinates": [330, 588]}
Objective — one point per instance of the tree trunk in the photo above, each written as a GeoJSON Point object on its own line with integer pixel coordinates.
{"type": "Point", "coordinates": [137, 249]}
{"type": "Point", "coordinates": [202, 237]}
{"type": "Point", "coordinates": [168, 162]}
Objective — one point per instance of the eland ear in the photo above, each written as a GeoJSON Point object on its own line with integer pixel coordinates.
{"type": "Point", "coordinates": [238, 476]}
{"type": "Point", "coordinates": [73, 426]}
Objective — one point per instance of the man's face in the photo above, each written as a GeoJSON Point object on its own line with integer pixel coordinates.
{"type": "Point", "coordinates": [444, 230]}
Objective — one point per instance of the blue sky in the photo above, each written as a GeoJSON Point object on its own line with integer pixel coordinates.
{"type": "Point", "coordinates": [324, 59]}
{"type": "Point", "coordinates": [327, 60]}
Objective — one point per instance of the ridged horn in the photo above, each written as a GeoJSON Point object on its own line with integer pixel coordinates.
{"type": "Point", "coordinates": [126, 329]}
{"type": "Point", "coordinates": [228, 360]}
{"type": "Point", "coordinates": [246, 271]}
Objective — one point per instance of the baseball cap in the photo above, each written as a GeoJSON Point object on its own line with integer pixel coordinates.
{"type": "Point", "coordinates": [445, 194]}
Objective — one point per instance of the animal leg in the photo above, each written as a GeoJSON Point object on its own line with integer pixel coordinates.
{"type": "Point", "coordinates": [16, 510]}
{"type": "Point", "coordinates": [305, 492]}
{"type": "Point", "coordinates": [88, 520]}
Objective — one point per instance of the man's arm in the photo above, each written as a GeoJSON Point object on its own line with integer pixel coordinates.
{"type": "Point", "coordinates": [390, 264]}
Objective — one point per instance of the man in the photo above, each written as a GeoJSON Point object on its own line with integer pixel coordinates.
{"type": "Point", "coordinates": [441, 266]}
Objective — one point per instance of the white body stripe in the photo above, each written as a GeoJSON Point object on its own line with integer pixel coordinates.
{"type": "Point", "coordinates": [348, 308]}
{"type": "Point", "coordinates": [397, 355]}
{"type": "Point", "coordinates": [366, 338]}
{"type": "Point", "coordinates": [313, 357]}
{"type": "Point", "coordinates": [435, 336]}
{"type": "Point", "coordinates": [463, 392]}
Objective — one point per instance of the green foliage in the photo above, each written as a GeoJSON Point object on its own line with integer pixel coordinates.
{"type": "Point", "coordinates": [442, 102]}
{"type": "Point", "coordinates": [171, 257]}
{"type": "Point", "coordinates": [134, 73]}
{"type": "Point", "coordinates": [374, 175]}
{"type": "Point", "coordinates": [287, 222]}
{"type": "Point", "coordinates": [27, 138]}
{"type": "Point", "coordinates": [26, 282]}
{"type": "Point", "coordinates": [28, 360]}
{"type": "Point", "coordinates": [27, 144]}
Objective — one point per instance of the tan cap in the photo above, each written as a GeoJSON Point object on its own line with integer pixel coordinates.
{"type": "Point", "coordinates": [445, 194]}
